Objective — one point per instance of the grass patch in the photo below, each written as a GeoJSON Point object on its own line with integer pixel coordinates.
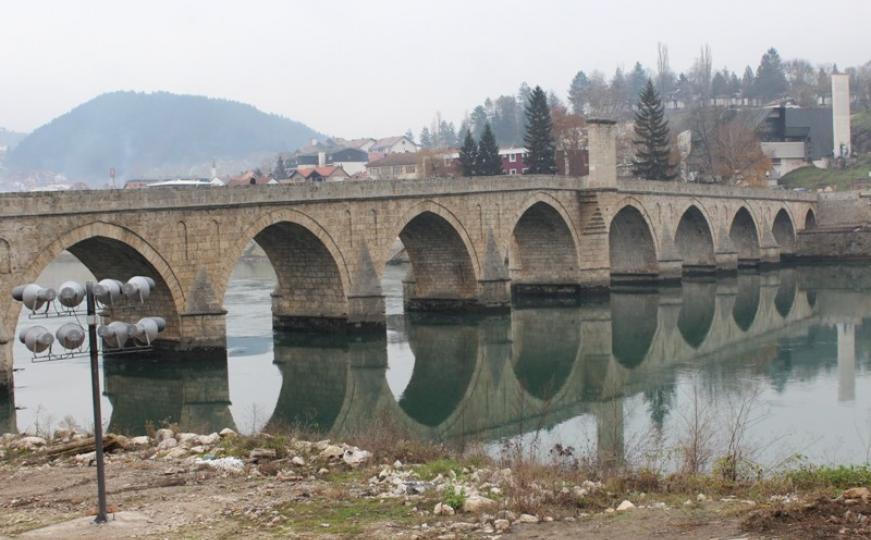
{"type": "Point", "coordinates": [453, 498]}
{"type": "Point", "coordinates": [840, 179]}
{"type": "Point", "coordinates": [345, 518]}
{"type": "Point", "coordinates": [841, 477]}
{"type": "Point", "coordinates": [443, 466]}
{"type": "Point", "coordinates": [240, 446]}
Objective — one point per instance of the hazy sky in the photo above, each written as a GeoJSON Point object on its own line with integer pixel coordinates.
{"type": "Point", "coordinates": [376, 68]}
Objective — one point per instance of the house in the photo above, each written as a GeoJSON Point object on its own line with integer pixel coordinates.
{"type": "Point", "coordinates": [326, 173]}
{"type": "Point", "coordinates": [393, 145]}
{"type": "Point", "coordinates": [513, 160]}
{"type": "Point", "coordinates": [250, 178]}
{"type": "Point", "coordinates": [401, 166]}
{"type": "Point", "coordinates": [793, 137]}
{"type": "Point", "coordinates": [352, 160]}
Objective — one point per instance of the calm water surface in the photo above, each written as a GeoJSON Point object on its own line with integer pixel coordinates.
{"type": "Point", "coordinates": [615, 375]}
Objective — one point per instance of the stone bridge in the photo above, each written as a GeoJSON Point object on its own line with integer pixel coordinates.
{"type": "Point", "coordinates": [471, 241]}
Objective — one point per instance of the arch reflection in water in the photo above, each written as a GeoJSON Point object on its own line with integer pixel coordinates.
{"type": "Point", "coordinates": [634, 318]}
{"type": "Point", "coordinates": [545, 343]}
{"type": "Point", "coordinates": [148, 390]}
{"type": "Point", "coordinates": [786, 291]}
{"type": "Point", "coordinates": [696, 315]}
{"type": "Point", "coordinates": [8, 422]}
{"type": "Point", "coordinates": [746, 300]}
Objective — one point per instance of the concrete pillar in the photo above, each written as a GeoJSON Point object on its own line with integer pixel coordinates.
{"type": "Point", "coordinates": [841, 114]}
{"type": "Point", "coordinates": [602, 148]}
{"type": "Point", "coordinates": [846, 361]}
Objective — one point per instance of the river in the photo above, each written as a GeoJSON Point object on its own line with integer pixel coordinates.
{"type": "Point", "coordinates": [782, 354]}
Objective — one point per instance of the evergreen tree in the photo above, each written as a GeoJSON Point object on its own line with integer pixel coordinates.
{"type": "Point", "coordinates": [636, 81]}
{"type": "Point", "coordinates": [770, 76]}
{"type": "Point", "coordinates": [652, 147]}
{"type": "Point", "coordinates": [578, 92]}
{"type": "Point", "coordinates": [478, 120]}
{"type": "Point", "coordinates": [720, 85]}
{"type": "Point", "coordinates": [619, 93]}
{"type": "Point", "coordinates": [487, 161]}
{"type": "Point", "coordinates": [447, 134]}
{"type": "Point", "coordinates": [747, 82]}
{"type": "Point", "coordinates": [279, 172]}
{"type": "Point", "coordinates": [468, 155]}
{"type": "Point", "coordinates": [409, 135]}
{"type": "Point", "coordinates": [425, 137]}
{"type": "Point", "coordinates": [539, 137]}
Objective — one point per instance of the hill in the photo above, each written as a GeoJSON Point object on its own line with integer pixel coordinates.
{"type": "Point", "coordinates": [141, 134]}
{"type": "Point", "coordinates": [10, 138]}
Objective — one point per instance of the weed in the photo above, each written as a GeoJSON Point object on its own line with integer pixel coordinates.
{"type": "Point", "coordinates": [453, 498]}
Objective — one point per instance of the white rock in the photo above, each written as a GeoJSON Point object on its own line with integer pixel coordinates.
{"type": "Point", "coordinates": [356, 457]}
{"type": "Point", "coordinates": [227, 432]}
{"type": "Point", "coordinates": [298, 461]}
{"type": "Point", "coordinates": [208, 440]}
{"type": "Point", "coordinates": [225, 464]}
{"type": "Point", "coordinates": [323, 471]}
{"type": "Point", "coordinates": [478, 504]}
{"type": "Point", "coordinates": [28, 443]}
{"type": "Point", "coordinates": [166, 444]}
{"type": "Point", "coordinates": [197, 449]}
{"type": "Point", "coordinates": [187, 439]}
{"type": "Point", "coordinates": [625, 505]}
{"type": "Point", "coordinates": [397, 464]}
{"type": "Point", "coordinates": [86, 458]}
{"type": "Point", "coordinates": [442, 509]}
{"type": "Point", "coordinates": [332, 452]}
{"type": "Point", "coordinates": [140, 442]}
{"type": "Point", "coordinates": [163, 434]}
{"type": "Point", "coordinates": [176, 453]}
{"type": "Point", "coordinates": [501, 525]}
{"type": "Point", "coordinates": [701, 497]}
{"type": "Point", "coordinates": [527, 518]}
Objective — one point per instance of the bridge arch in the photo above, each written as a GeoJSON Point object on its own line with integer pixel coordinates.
{"type": "Point", "coordinates": [444, 263]}
{"type": "Point", "coordinates": [810, 220]}
{"type": "Point", "coordinates": [784, 231]}
{"type": "Point", "coordinates": [113, 251]}
{"type": "Point", "coordinates": [311, 271]}
{"type": "Point", "coordinates": [632, 247]}
{"type": "Point", "coordinates": [544, 245]}
{"type": "Point", "coordinates": [695, 241]}
{"type": "Point", "coordinates": [744, 234]}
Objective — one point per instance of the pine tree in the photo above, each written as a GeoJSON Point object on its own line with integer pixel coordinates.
{"type": "Point", "coordinates": [425, 137]}
{"type": "Point", "coordinates": [409, 135]}
{"type": "Point", "coordinates": [770, 76]}
{"type": "Point", "coordinates": [468, 155]}
{"type": "Point", "coordinates": [488, 162]}
{"type": "Point", "coordinates": [652, 147]}
{"type": "Point", "coordinates": [279, 172]}
{"type": "Point", "coordinates": [578, 92]}
{"type": "Point", "coordinates": [539, 137]}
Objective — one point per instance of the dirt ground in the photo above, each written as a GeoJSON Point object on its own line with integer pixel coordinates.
{"type": "Point", "coordinates": [155, 499]}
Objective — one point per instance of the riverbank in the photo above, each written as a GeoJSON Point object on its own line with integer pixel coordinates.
{"type": "Point", "coordinates": [173, 484]}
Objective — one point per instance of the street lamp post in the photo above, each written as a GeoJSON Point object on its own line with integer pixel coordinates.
{"type": "Point", "coordinates": [71, 336]}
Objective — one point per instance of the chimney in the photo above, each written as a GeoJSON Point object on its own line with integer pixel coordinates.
{"type": "Point", "coordinates": [602, 150]}
{"type": "Point", "coordinates": [322, 159]}
{"type": "Point", "coordinates": [841, 114]}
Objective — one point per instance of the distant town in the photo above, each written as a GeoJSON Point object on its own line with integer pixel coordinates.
{"type": "Point", "coordinates": [785, 123]}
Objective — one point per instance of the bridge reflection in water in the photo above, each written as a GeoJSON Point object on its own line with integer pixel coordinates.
{"type": "Point", "coordinates": [488, 378]}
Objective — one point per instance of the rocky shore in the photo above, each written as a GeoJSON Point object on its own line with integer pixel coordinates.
{"type": "Point", "coordinates": [176, 484]}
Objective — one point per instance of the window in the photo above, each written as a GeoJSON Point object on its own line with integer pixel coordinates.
{"type": "Point", "coordinates": [512, 157]}
{"type": "Point", "coordinates": [525, 170]}
{"type": "Point", "coordinates": [409, 169]}
{"type": "Point", "coordinates": [512, 172]}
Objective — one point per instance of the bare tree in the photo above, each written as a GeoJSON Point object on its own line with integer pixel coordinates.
{"type": "Point", "coordinates": [701, 73]}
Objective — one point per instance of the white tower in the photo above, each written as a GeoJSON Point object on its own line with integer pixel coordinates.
{"type": "Point", "coordinates": [841, 114]}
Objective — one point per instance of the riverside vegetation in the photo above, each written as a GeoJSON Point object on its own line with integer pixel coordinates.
{"type": "Point", "coordinates": [381, 484]}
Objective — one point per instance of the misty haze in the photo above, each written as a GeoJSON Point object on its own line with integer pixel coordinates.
{"type": "Point", "coordinates": [435, 270]}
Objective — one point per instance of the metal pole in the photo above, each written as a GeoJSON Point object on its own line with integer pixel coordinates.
{"type": "Point", "coordinates": [95, 388]}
